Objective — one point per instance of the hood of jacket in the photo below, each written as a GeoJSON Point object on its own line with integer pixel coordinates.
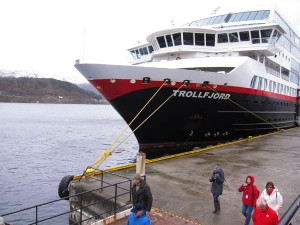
{"type": "Point", "coordinates": [252, 180]}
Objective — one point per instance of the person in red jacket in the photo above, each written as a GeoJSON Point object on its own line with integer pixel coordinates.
{"type": "Point", "coordinates": [263, 214]}
{"type": "Point", "coordinates": [250, 195]}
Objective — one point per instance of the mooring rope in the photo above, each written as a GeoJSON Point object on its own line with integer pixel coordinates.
{"type": "Point", "coordinates": [246, 109]}
{"type": "Point", "coordinates": [107, 152]}
{"type": "Point", "coordinates": [150, 115]}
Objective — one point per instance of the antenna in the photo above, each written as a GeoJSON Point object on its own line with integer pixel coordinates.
{"type": "Point", "coordinates": [215, 10]}
{"type": "Point", "coordinates": [83, 42]}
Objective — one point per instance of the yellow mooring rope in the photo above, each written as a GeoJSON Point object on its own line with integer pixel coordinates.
{"type": "Point", "coordinates": [90, 170]}
{"type": "Point", "coordinates": [246, 109]}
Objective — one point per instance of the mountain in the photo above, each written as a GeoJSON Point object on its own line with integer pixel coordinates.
{"type": "Point", "coordinates": [45, 90]}
{"type": "Point", "coordinates": [34, 74]}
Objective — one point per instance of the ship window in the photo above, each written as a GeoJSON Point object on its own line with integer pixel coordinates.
{"type": "Point", "coordinates": [137, 53]}
{"type": "Point", "coordinates": [276, 35]}
{"type": "Point", "coordinates": [177, 38]}
{"type": "Point", "coordinates": [188, 38]}
{"type": "Point", "coordinates": [219, 19]}
{"type": "Point", "coordinates": [238, 17]}
{"type": "Point", "coordinates": [199, 39]}
{"type": "Point", "coordinates": [233, 37]}
{"type": "Point", "coordinates": [255, 37]}
{"type": "Point", "coordinates": [265, 84]}
{"type": "Point", "coordinates": [210, 40]}
{"type": "Point", "coordinates": [278, 88]}
{"type": "Point", "coordinates": [259, 15]}
{"type": "Point", "coordinates": [169, 40]}
{"type": "Point", "coordinates": [253, 82]}
{"type": "Point", "coordinates": [150, 47]}
{"type": "Point", "coordinates": [161, 41]}
{"type": "Point", "coordinates": [145, 50]}
{"type": "Point", "coordinates": [205, 21]}
{"type": "Point", "coordinates": [270, 85]}
{"type": "Point", "coordinates": [141, 51]}
{"type": "Point", "coordinates": [227, 18]}
{"type": "Point", "coordinates": [222, 38]}
{"type": "Point", "coordinates": [273, 41]}
{"type": "Point", "coordinates": [266, 14]}
{"type": "Point", "coordinates": [252, 15]}
{"type": "Point", "coordinates": [259, 84]}
{"type": "Point", "coordinates": [133, 54]}
{"type": "Point", "coordinates": [211, 21]}
{"type": "Point", "coordinates": [265, 35]}
{"type": "Point", "coordinates": [244, 36]}
{"type": "Point", "coordinates": [232, 17]}
{"type": "Point", "coordinates": [274, 86]}
{"type": "Point", "coordinates": [245, 16]}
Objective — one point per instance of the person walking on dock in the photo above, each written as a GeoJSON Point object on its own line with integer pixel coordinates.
{"type": "Point", "coordinates": [217, 180]}
{"type": "Point", "coordinates": [141, 193]}
{"type": "Point", "coordinates": [272, 196]}
{"type": "Point", "coordinates": [263, 214]}
{"type": "Point", "coordinates": [138, 216]}
{"type": "Point", "coordinates": [250, 195]}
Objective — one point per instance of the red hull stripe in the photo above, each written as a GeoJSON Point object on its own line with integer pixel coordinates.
{"type": "Point", "coordinates": [111, 90]}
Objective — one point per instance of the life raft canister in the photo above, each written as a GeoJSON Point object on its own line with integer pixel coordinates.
{"type": "Point", "coordinates": [177, 58]}
{"type": "Point", "coordinates": [64, 185]}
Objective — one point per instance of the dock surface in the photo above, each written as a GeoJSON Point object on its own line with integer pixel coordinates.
{"type": "Point", "coordinates": [181, 187]}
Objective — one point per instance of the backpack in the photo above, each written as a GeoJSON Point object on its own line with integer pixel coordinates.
{"type": "Point", "coordinates": [253, 192]}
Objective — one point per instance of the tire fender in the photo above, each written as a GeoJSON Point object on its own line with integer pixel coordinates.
{"type": "Point", "coordinates": [64, 185]}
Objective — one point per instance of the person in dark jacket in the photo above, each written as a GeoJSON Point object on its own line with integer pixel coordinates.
{"type": "Point", "coordinates": [217, 180]}
{"type": "Point", "coordinates": [141, 193]}
{"type": "Point", "coordinates": [250, 195]}
{"type": "Point", "coordinates": [138, 216]}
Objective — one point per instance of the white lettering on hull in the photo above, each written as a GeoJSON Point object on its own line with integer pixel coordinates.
{"type": "Point", "coordinates": [200, 94]}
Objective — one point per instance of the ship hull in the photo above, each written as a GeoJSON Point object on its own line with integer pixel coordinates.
{"type": "Point", "coordinates": [186, 124]}
{"type": "Point", "coordinates": [175, 118]}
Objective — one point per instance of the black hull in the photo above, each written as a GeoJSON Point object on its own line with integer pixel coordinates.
{"type": "Point", "coordinates": [183, 124]}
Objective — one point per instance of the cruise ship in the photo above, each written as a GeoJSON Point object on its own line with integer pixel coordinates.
{"type": "Point", "coordinates": [226, 76]}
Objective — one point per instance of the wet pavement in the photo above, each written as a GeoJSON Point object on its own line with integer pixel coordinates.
{"type": "Point", "coordinates": [181, 187]}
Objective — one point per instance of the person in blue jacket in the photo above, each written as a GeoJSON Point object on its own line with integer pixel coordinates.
{"type": "Point", "coordinates": [138, 216]}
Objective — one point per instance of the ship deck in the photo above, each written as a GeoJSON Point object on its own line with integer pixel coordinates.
{"type": "Point", "coordinates": [181, 187]}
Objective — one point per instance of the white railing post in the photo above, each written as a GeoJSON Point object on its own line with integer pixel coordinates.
{"type": "Point", "coordinates": [141, 163]}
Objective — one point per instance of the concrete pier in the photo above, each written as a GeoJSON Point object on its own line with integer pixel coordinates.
{"type": "Point", "coordinates": [181, 188]}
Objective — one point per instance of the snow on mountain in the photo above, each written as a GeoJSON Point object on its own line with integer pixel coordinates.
{"type": "Point", "coordinates": [34, 74]}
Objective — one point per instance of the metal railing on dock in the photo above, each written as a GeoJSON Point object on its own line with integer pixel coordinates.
{"type": "Point", "coordinates": [290, 213]}
{"type": "Point", "coordinates": [41, 213]}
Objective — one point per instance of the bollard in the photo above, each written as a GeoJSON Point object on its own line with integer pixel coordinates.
{"type": "Point", "coordinates": [141, 163]}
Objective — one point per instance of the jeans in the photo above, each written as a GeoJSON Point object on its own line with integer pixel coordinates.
{"type": "Point", "coordinates": [247, 211]}
{"type": "Point", "coordinates": [216, 200]}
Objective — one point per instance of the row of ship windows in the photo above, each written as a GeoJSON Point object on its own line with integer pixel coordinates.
{"type": "Point", "coordinates": [272, 86]}
{"type": "Point", "coordinates": [232, 17]}
{"type": "Point", "coordinates": [201, 39]}
{"type": "Point", "coordinates": [137, 53]}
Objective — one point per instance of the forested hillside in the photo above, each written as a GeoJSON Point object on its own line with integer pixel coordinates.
{"type": "Point", "coordinates": [45, 90]}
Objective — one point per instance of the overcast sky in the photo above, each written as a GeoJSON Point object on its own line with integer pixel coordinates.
{"type": "Point", "coordinates": [47, 36]}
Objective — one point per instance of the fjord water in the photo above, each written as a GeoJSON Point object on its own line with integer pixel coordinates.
{"type": "Point", "coordinates": [41, 143]}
